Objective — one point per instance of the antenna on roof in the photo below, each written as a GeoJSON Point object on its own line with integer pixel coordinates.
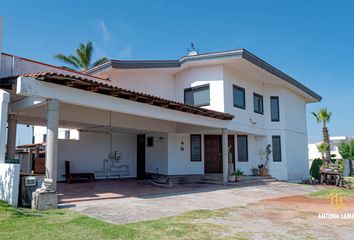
{"type": "Point", "coordinates": [192, 51]}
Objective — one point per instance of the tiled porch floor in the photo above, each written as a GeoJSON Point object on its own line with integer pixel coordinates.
{"type": "Point", "coordinates": [116, 188]}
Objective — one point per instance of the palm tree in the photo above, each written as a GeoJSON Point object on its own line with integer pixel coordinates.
{"type": "Point", "coordinates": [322, 148]}
{"type": "Point", "coordinates": [323, 116]}
{"type": "Point", "coordinates": [82, 60]}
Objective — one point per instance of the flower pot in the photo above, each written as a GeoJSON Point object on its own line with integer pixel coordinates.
{"type": "Point", "coordinates": [263, 171]}
{"type": "Point", "coordinates": [232, 178]}
{"type": "Point", "coordinates": [255, 172]}
{"type": "Point", "coordinates": [239, 178]}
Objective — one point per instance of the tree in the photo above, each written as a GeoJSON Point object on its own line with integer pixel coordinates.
{"type": "Point", "coordinates": [324, 116]}
{"type": "Point", "coordinates": [346, 150]}
{"type": "Point", "coordinates": [82, 60]}
{"type": "Point", "coordinates": [322, 148]}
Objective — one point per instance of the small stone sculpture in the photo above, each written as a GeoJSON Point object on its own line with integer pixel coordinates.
{"type": "Point", "coordinates": [47, 186]}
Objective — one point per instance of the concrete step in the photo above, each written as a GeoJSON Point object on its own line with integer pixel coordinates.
{"type": "Point", "coordinates": [244, 180]}
{"type": "Point", "coordinates": [182, 179]}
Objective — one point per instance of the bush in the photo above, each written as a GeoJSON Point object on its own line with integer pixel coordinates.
{"type": "Point", "coordinates": [315, 168]}
{"type": "Point", "coordinates": [341, 166]}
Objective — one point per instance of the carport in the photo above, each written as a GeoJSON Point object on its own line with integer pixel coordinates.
{"type": "Point", "coordinates": [119, 116]}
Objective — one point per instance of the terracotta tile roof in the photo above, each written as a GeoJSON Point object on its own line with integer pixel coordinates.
{"type": "Point", "coordinates": [101, 87]}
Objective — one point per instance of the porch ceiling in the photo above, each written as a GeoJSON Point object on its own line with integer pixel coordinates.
{"type": "Point", "coordinates": [97, 120]}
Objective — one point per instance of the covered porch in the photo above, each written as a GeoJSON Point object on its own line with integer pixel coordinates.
{"type": "Point", "coordinates": [146, 134]}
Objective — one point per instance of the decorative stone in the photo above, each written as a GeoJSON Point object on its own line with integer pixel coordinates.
{"type": "Point", "coordinates": [44, 200]}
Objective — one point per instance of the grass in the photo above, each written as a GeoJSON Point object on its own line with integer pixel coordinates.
{"type": "Point", "coordinates": [20, 223]}
{"type": "Point", "coordinates": [327, 191]}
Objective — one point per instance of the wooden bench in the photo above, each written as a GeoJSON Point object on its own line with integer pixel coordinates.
{"type": "Point", "coordinates": [71, 177]}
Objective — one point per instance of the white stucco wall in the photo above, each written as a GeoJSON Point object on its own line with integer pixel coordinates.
{"type": "Point", "coordinates": [147, 81]}
{"type": "Point", "coordinates": [156, 156]}
{"type": "Point", "coordinates": [297, 159]}
{"type": "Point", "coordinates": [9, 183]}
{"type": "Point", "coordinates": [179, 161]}
{"type": "Point", "coordinates": [87, 154]}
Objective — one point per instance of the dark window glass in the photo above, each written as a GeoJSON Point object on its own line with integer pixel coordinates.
{"type": "Point", "coordinates": [276, 148]}
{"type": "Point", "coordinates": [67, 134]}
{"type": "Point", "coordinates": [44, 138]}
{"type": "Point", "coordinates": [274, 109]}
{"type": "Point", "coordinates": [242, 148]}
{"type": "Point", "coordinates": [150, 141]}
{"type": "Point", "coordinates": [196, 148]}
{"type": "Point", "coordinates": [258, 103]}
{"type": "Point", "coordinates": [197, 96]}
{"type": "Point", "coordinates": [239, 97]}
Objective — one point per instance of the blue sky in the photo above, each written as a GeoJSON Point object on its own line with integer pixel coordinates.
{"type": "Point", "coordinates": [312, 41]}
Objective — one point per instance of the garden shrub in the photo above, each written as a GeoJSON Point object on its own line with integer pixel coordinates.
{"type": "Point", "coordinates": [315, 168]}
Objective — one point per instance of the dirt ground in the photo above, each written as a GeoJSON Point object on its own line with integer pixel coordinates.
{"type": "Point", "coordinates": [293, 217]}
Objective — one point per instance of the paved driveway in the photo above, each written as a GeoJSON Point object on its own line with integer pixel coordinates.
{"type": "Point", "coordinates": [148, 207]}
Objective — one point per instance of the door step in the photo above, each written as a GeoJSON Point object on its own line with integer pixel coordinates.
{"type": "Point", "coordinates": [245, 180]}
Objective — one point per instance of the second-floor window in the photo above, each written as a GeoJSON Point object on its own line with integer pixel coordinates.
{"type": "Point", "coordinates": [239, 97]}
{"type": "Point", "coordinates": [274, 109]}
{"type": "Point", "coordinates": [258, 103]}
{"type": "Point", "coordinates": [197, 96]}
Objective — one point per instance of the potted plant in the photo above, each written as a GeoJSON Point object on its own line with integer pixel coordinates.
{"type": "Point", "coordinates": [254, 171]}
{"type": "Point", "coordinates": [263, 170]}
{"type": "Point", "coordinates": [239, 175]}
{"type": "Point", "coordinates": [232, 177]}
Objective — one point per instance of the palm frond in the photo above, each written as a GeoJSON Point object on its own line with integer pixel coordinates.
{"type": "Point", "coordinates": [100, 61]}
{"type": "Point", "coordinates": [67, 60]}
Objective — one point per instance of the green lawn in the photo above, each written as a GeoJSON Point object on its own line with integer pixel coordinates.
{"type": "Point", "coordinates": [327, 191]}
{"type": "Point", "coordinates": [20, 223]}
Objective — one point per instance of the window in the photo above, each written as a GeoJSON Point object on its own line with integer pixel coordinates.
{"type": "Point", "coordinates": [44, 138]}
{"type": "Point", "coordinates": [239, 97]}
{"type": "Point", "coordinates": [67, 134]}
{"type": "Point", "coordinates": [150, 141]}
{"type": "Point", "coordinates": [196, 148]}
{"type": "Point", "coordinates": [197, 96]}
{"type": "Point", "coordinates": [242, 148]}
{"type": "Point", "coordinates": [274, 109]}
{"type": "Point", "coordinates": [276, 148]}
{"type": "Point", "coordinates": [258, 103]}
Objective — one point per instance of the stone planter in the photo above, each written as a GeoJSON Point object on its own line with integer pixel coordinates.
{"type": "Point", "coordinates": [239, 178]}
{"type": "Point", "coordinates": [232, 178]}
{"type": "Point", "coordinates": [263, 171]}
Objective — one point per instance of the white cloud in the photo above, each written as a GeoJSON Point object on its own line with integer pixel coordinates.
{"type": "Point", "coordinates": [106, 34]}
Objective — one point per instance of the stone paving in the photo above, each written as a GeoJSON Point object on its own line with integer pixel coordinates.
{"type": "Point", "coordinates": [127, 201]}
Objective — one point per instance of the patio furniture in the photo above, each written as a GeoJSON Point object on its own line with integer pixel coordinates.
{"type": "Point", "coordinates": [70, 177]}
{"type": "Point", "coordinates": [330, 177]}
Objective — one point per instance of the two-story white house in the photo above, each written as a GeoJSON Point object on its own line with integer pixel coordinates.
{"type": "Point", "coordinates": [191, 116]}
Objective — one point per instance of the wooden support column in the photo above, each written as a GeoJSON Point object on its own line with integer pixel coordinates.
{"type": "Point", "coordinates": [51, 160]}
{"type": "Point", "coordinates": [225, 156]}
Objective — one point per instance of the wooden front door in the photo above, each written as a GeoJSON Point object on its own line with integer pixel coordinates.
{"type": "Point", "coordinates": [212, 154]}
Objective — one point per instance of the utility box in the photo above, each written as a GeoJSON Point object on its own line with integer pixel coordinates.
{"type": "Point", "coordinates": [28, 185]}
